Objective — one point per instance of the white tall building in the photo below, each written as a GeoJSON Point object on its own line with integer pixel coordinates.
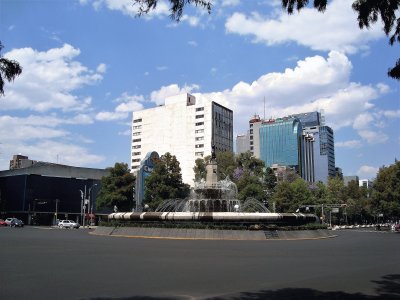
{"type": "Point", "coordinates": [186, 126]}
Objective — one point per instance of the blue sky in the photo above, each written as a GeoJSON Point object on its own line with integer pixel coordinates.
{"type": "Point", "coordinates": [88, 64]}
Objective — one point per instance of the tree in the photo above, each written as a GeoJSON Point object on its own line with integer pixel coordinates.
{"type": "Point", "coordinates": [176, 6]}
{"type": "Point", "coordinates": [165, 182]}
{"type": "Point", "coordinates": [368, 12]}
{"type": "Point", "coordinates": [386, 191]}
{"type": "Point", "coordinates": [226, 164]}
{"type": "Point", "coordinates": [250, 186]}
{"type": "Point", "coordinates": [283, 196]}
{"type": "Point", "coordinates": [199, 168]}
{"type": "Point", "coordinates": [336, 191]}
{"type": "Point", "coordinates": [250, 163]}
{"type": "Point", "coordinates": [9, 69]}
{"type": "Point", "coordinates": [117, 189]}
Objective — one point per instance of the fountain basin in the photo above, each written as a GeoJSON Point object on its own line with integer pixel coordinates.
{"type": "Point", "coordinates": [219, 217]}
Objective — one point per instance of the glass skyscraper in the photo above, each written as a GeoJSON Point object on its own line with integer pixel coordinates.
{"type": "Point", "coordinates": [281, 142]}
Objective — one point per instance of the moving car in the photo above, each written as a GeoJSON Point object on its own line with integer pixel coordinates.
{"type": "Point", "coordinates": [68, 224]}
{"type": "Point", "coordinates": [3, 223]}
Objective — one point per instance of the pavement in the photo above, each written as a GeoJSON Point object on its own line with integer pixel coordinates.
{"type": "Point", "coordinates": [73, 264]}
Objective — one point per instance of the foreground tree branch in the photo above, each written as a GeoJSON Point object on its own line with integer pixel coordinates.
{"type": "Point", "coordinates": [9, 69]}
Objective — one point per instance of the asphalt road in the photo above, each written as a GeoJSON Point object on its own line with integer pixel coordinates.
{"type": "Point", "coordinates": [41, 263]}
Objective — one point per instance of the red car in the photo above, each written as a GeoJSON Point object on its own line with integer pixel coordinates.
{"type": "Point", "coordinates": [3, 223]}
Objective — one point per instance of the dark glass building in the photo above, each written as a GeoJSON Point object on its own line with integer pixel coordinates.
{"type": "Point", "coordinates": [44, 192]}
{"type": "Point", "coordinates": [281, 143]}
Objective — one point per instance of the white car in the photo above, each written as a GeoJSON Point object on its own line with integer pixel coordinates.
{"type": "Point", "coordinates": [9, 221]}
{"type": "Point", "coordinates": [68, 224]}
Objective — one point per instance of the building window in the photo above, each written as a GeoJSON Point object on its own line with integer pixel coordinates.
{"type": "Point", "coordinates": [200, 109]}
{"type": "Point", "coordinates": [199, 153]}
{"type": "Point", "coordinates": [136, 160]}
{"type": "Point", "coordinates": [251, 148]}
{"type": "Point", "coordinates": [251, 131]}
{"type": "Point", "coordinates": [137, 127]}
{"type": "Point", "coordinates": [200, 138]}
{"type": "Point", "coordinates": [199, 131]}
{"type": "Point", "coordinates": [136, 153]}
{"type": "Point", "coordinates": [251, 137]}
{"type": "Point", "coordinates": [137, 147]}
{"type": "Point", "coordinates": [251, 142]}
{"type": "Point", "coordinates": [199, 123]}
{"type": "Point", "coordinates": [136, 133]}
{"type": "Point", "coordinates": [251, 125]}
{"type": "Point", "coordinates": [200, 146]}
{"type": "Point", "coordinates": [136, 140]}
{"type": "Point", "coordinates": [137, 120]}
{"type": "Point", "coordinates": [199, 116]}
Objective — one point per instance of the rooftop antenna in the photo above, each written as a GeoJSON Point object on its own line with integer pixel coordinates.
{"type": "Point", "coordinates": [264, 109]}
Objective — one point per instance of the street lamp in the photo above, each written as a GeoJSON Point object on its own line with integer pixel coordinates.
{"type": "Point", "coordinates": [56, 214]}
{"type": "Point", "coordinates": [90, 208]}
{"type": "Point", "coordinates": [83, 206]}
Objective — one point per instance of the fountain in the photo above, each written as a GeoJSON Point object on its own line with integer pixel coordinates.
{"type": "Point", "coordinates": [214, 201]}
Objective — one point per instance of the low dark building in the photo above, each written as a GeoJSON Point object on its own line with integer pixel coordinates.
{"type": "Point", "coordinates": [44, 192]}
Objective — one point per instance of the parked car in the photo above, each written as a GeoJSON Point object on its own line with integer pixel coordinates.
{"type": "Point", "coordinates": [16, 223]}
{"type": "Point", "coordinates": [8, 221]}
{"type": "Point", "coordinates": [3, 223]}
{"type": "Point", "coordinates": [68, 224]}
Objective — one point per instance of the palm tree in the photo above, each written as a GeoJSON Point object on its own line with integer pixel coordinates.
{"type": "Point", "coordinates": [9, 69]}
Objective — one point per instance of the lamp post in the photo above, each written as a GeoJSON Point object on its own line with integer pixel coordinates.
{"type": "Point", "coordinates": [83, 206]}
{"type": "Point", "coordinates": [90, 207]}
{"type": "Point", "coordinates": [56, 214]}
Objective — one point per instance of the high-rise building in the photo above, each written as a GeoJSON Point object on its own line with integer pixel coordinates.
{"type": "Point", "coordinates": [317, 160]}
{"type": "Point", "coordinates": [242, 143]}
{"type": "Point", "coordinates": [365, 183]}
{"type": "Point", "coordinates": [187, 126]}
{"type": "Point", "coordinates": [347, 179]}
{"type": "Point", "coordinates": [280, 142]}
{"type": "Point", "coordinates": [21, 161]}
{"type": "Point", "coordinates": [324, 148]}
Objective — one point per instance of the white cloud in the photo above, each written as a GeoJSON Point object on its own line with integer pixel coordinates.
{"type": "Point", "coordinates": [127, 132]}
{"type": "Point", "coordinates": [129, 8]}
{"type": "Point", "coordinates": [162, 68]}
{"type": "Point", "coordinates": [373, 137]}
{"type": "Point", "coordinates": [193, 43]}
{"type": "Point", "coordinates": [101, 68]}
{"type": "Point", "coordinates": [367, 172]}
{"type": "Point", "coordinates": [127, 103]}
{"type": "Point", "coordinates": [336, 29]}
{"type": "Point", "coordinates": [49, 80]}
{"type": "Point", "coordinates": [37, 126]}
{"type": "Point", "coordinates": [391, 113]}
{"type": "Point", "coordinates": [41, 138]}
{"type": "Point", "coordinates": [349, 144]}
{"type": "Point", "coordinates": [230, 3]}
{"type": "Point", "coordinates": [315, 83]}
{"type": "Point", "coordinates": [171, 90]}
{"type": "Point", "coordinates": [362, 121]}
{"type": "Point", "coordinates": [191, 20]}
{"type": "Point", "coordinates": [111, 116]}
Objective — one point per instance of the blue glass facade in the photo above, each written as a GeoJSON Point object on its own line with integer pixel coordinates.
{"type": "Point", "coordinates": [309, 119]}
{"type": "Point", "coordinates": [327, 147]}
{"type": "Point", "coordinates": [281, 143]}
